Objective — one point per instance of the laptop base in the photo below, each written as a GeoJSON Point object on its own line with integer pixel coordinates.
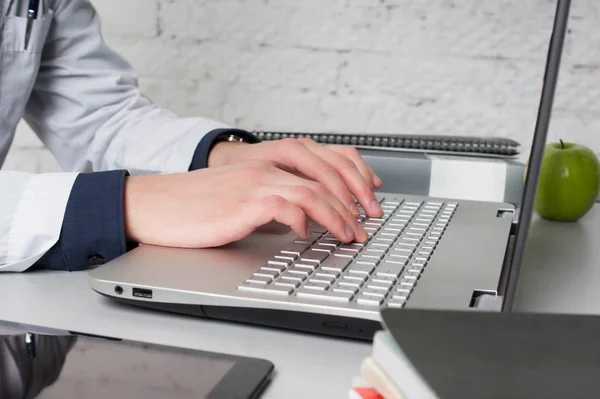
{"type": "Point", "coordinates": [314, 323]}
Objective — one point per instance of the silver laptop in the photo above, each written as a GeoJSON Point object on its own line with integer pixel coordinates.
{"type": "Point", "coordinates": [424, 252]}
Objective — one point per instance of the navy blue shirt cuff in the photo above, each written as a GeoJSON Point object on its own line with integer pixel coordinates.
{"type": "Point", "coordinates": [200, 159]}
{"type": "Point", "coordinates": [93, 229]}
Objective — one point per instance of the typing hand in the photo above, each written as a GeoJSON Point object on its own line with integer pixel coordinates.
{"type": "Point", "coordinates": [215, 206]}
{"type": "Point", "coordinates": [339, 168]}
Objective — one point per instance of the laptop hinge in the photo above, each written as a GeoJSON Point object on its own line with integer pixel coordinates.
{"type": "Point", "coordinates": [488, 302]}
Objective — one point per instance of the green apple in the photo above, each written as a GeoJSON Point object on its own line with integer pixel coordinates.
{"type": "Point", "coordinates": [569, 182]}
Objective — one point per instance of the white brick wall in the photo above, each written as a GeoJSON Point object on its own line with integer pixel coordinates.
{"type": "Point", "coordinates": [457, 67]}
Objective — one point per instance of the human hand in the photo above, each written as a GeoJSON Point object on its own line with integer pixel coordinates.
{"type": "Point", "coordinates": [215, 206]}
{"type": "Point", "coordinates": [339, 168]}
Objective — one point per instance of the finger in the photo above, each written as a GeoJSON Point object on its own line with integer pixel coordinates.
{"type": "Point", "coordinates": [282, 178]}
{"type": "Point", "coordinates": [376, 179]}
{"type": "Point", "coordinates": [253, 214]}
{"type": "Point", "coordinates": [353, 171]}
{"type": "Point", "coordinates": [360, 234]}
{"type": "Point", "coordinates": [365, 169]}
{"type": "Point", "coordinates": [356, 175]}
{"type": "Point", "coordinates": [315, 207]}
{"type": "Point", "coordinates": [297, 156]}
{"type": "Point", "coordinates": [351, 154]}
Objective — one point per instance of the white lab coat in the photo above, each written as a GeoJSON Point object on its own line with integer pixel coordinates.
{"type": "Point", "coordinates": [82, 100]}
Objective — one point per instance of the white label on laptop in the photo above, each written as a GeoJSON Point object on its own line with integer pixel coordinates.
{"type": "Point", "coordinates": [467, 178]}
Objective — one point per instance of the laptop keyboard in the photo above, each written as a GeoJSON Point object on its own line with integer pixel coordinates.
{"type": "Point", "coordinates": [384, 271]}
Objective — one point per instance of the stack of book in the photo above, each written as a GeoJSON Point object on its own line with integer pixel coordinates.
{"type": "Point", "coordinates": [427, 354]}
{"type": "Point", "coordinates": [388, 374]}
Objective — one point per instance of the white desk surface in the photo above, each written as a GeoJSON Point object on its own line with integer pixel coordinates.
{"type": "Point", "coordinates": [561, 274]}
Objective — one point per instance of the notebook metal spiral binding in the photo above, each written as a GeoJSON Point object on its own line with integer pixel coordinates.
{"type": "Point", "coordinates": [478, 146]}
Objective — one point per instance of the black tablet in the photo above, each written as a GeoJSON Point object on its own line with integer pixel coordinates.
{"type": "Point", "coordinates": [59, 367]}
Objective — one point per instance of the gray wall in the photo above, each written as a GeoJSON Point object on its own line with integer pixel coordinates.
{"type": "Point", "coordinates": [458, 67]}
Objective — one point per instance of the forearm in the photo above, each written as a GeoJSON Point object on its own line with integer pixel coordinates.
{"type": "Point", "coordinates": [71, 221]}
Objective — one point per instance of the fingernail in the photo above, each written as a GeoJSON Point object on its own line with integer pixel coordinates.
{"type": "Point", "coordinates": [308, 231]}
{"type": "Point", "coordinates": [378, 182]}
{"type": "Point", "coordinates": [349, 232]}
{"type": "Point", "coordinates": [375, 207]}
{"type": "Point", "coordinates": [354, 209]}
{"type": "Point", "coordinates": [362, 233]}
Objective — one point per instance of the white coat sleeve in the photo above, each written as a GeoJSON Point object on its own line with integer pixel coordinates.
{"type": "Point", "coordinates": [87, 109]}
{"type": "Point", "coordinates": [32, 213]}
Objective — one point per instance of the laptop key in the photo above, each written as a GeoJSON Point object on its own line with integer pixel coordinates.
{"type": "Point", "coordinates": [396, 302]}
{"type": "Point", "coordinates": [346, 284]}
{"type": "Point", "coordinates": [286, 258]}
{"type": "Point", "coordinates": [294, 248]}
{"type": "Point", "coordinates": [352, 289]}
{"type": "Point", "coordinates": [314, 256]}
{"type": "Point", "coordinates": [352, 246]}
{"type": "Point", "coordinates": [291, 277]}
{"type": "Point", "coordinates": [384, 246]}
{"type": "Point", "coordinates": [259, 280]}
{"type": "Point", "coordinates": [307, 266]}
{"type": "Point", "coordinates": [401, 243]}
{"type": "Point", "coordinates": [387, 269]}
{"type": "Point", "coordinates": [323, 248]}
{"type": "Point", "coordinates": [401, 293]}
{"type": "Point", "coordinates": [372, 287]}
{"type": "Point", "coordinates": [266, 273]}
{"type": "Point", "coordinates": [329, 243]}
{"type": "Point", "coordinates": [406, 282]}
{"type": "Point", "coordinates": [389, 280]}
{"type": "Point", "coordinates": [356, 278]}
{"type": "Point", "coordinates": [369, 300]}
{"type": "Point", "coordinates": [326, 276]}
{"type": "Point", "coordinates": [345, 253]}
{"type": "Point", "coordinates": [377, 254]}
{"type": "Point", "coordinates": [364, 261]}
{"type": "Point", "coordinates": [298, 270]}
{"type": "Point", "coordinates": [416, 267]}
{"type": "Point", "coordinates": [361, 268]}
{"type": "Point", "coordinates": [411, 275]}
{"type": "Point", "coordinates": [397, 225]}
{"type": "Point", "coordinates": [402, 250]}
{"type": "Point", "coordinates": [323, 283]}
{"type": "Point", "coordinates": [384, 240]}
{"type": "Point", "coordinates": [313, 287]}
{"type": "Point", "coordinates": [277, 268]}
{"type": "Point", "coordinates": [371, 230]}
{"type": "Point", "coordinates": [423, 220]}
{"type": "Point", "coordinates": [396, 260]}
{"type": "Point", "coordinates": [280, 262]}
{"type": "Point", "coordinates": [336, 263]}
{"type": "Point", "coordinates": [327, 296]}
{"type": "Point", "coordinates": [287, 283]}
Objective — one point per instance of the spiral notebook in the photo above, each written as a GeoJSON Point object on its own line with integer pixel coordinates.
{"type": "Point", "coordinates": [437, 144]}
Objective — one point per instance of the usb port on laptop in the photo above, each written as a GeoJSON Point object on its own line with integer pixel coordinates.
{"type": "Point", "coordinates": [142, 293]}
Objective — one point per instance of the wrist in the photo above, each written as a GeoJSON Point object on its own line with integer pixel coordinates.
{"type": "Point", "coordinates": [133, 193]}
{"type": "Point", "coordinates": [222, 152]}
